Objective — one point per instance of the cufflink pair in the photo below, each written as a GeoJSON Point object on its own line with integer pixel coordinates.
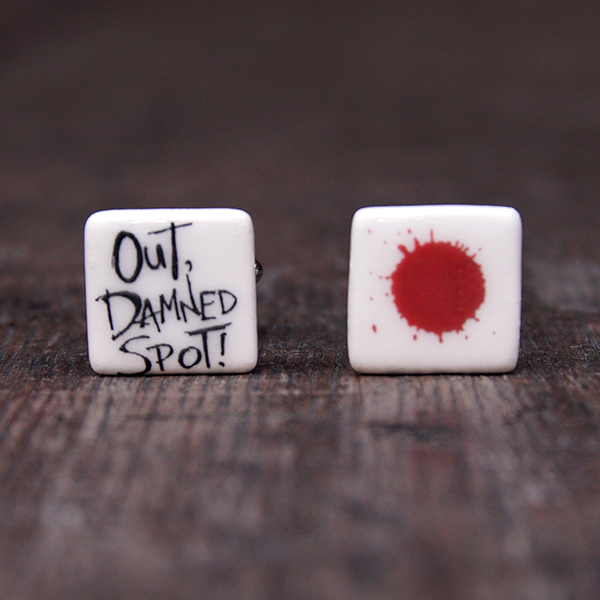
{"type": "Point", "coordinates": [432, 289]}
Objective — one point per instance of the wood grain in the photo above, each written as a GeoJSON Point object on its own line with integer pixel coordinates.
{"type": "Point", "coordinates": [302, 480]}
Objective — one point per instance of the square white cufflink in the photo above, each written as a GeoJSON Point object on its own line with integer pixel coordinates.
{"type": "Point", "coordinates": [171, 291]}
{"type": "Point", "coordinates": [435, 289]}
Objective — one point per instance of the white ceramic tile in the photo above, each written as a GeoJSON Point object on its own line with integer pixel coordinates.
{"type": "Point", "coordinates": [171, 291]}
{"type": "Point", "coordinates": [435, 289]}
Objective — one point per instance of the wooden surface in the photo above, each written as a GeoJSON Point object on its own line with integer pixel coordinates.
{"type": "Point", "coordinates": [301, 480]}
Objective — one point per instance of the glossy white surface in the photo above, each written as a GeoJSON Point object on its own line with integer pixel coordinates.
{"type": "Point", "coordinates": [385, 337]}
{"type": "Point", "coordinates": [171, 291]}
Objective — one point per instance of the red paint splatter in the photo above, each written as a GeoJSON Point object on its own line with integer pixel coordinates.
{"type": "Point", "coordinates": [374, 328]}
{"type": "Point", "coordinates": [437, 286]}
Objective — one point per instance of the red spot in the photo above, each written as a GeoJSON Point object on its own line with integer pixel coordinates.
{"type": "Point", "coordinates": [371, 298]}
{"type": "Point", "coordinates": [374, 327]}
{"type": "Point", "coordinates": [437, 286]}
{"type": "Point", "coordinates": [415, 337]}
{"type": "Point", "coordinates": [369, 230]}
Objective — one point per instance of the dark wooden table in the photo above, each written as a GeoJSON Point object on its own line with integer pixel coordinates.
{"type": "Point", "coordinates": [302, 480]}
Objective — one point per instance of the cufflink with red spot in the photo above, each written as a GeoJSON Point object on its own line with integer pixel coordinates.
{"type": "Point", "coordinates": [435, 289]}
{"type": "Point", "coordinates": [171, 291]}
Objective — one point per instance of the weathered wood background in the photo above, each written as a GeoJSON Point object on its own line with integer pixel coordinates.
{"type": "Point", "coordinates": [301, 480]}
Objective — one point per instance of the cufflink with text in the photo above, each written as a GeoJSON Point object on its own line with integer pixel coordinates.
{"type": "Point", "coordinates": [435, 289]}
{"type": "Point", "coordinates": [171, 291]}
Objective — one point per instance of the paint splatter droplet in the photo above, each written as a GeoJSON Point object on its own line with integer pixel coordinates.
{"type": "Point", "coordinates": [437, 286]}
{"type": "Point", "coordinates": [374, 328]}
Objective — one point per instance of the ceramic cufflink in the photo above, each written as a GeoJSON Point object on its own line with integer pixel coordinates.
{"type": "Point", "coordinates": [435, 289]}
{"type": "Point", "coordinates": [171, 291]}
